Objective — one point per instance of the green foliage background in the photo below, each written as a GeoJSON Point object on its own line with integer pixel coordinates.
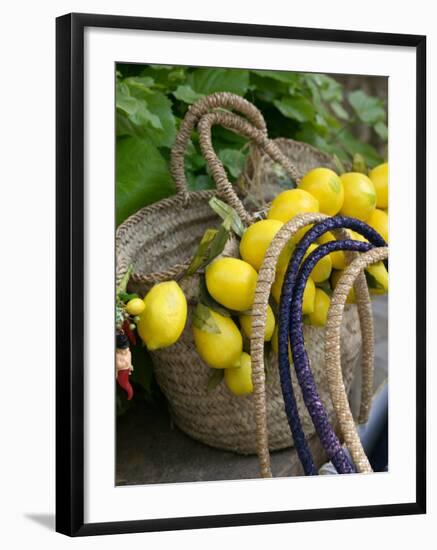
{"type": "Point", "coordinates": [151, 100]}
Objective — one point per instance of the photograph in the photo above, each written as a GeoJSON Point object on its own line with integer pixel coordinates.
{"type": "Point", "coordinates": [241, 219]}
{"type": "Point", "coordinates": [252, 280]}
{"type": "Point", "coordinates": [215, 282]}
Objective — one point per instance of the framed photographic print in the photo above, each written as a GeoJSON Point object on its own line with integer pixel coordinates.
{"type": "Point", "coordinates": [240, 274]}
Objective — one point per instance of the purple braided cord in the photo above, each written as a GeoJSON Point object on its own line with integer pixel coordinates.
{"type": "Point", "coordinates": [338, 457]}
{"type": "Point", "coordinates": [317, 411]}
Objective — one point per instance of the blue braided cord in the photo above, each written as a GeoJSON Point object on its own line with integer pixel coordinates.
{"type": "Point", "coordinates": [291, 410]}
{"type": "Point", "coordinates": [284, 321]}
{"type": "Point", "coordinates": [302, 367]}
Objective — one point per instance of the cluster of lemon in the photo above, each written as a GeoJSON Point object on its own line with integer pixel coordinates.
{"type": "Point", "coordinates": [231, 282]}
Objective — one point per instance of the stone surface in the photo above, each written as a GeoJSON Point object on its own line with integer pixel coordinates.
{"type": "Point", "coordinates": [150, 449]}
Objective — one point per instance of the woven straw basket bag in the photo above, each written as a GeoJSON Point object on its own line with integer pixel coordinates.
{"type": "Point", "coordinates": [160, 241]}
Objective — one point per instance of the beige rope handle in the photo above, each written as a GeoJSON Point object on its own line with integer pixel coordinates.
{"type": "Point", "coordinates": [333, 357]}
{"type": "Point", "coordinates": [266, 276]}
{"type": "Point", "coordinates": [224, 100]}
{"type": "Point", "coordinates": [241, 126]}
{"type": "Point", "coordinates": [365, 314]}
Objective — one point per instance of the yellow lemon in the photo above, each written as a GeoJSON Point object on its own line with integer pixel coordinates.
{"type": "Point", "coordinates": [239, 379]}
{"type": "Point", "coordinates": [321, 307]}
{"type": "Point", "coordinates": [309, 296]}
{"type": "Point", "coordinates": [285, 256]}
{"type": "Point", "coordinates": [379, 177]}
{"type": "Point", "coordinates": [326, 186]}
{"type": "Point", "coordinates": [256, 240]}
{"type": "Point", "coordinates": [231, 282]}
{"type": "Point", "coordinates": [378, 219]}
{"type": "Point", "coordinates": [359, 195]}
{"type": "Point", "coordinates": [336, 274]}
{"type": "Point", "coordinates": [377, 278]}
{"type": "Point", "coordinates": [275, 344]}
{"type": "Point", "coordinates": [291, 203]}
{"type": "Point", "coordinates": [219, 350]}
{"type": "Point", "coordinates": [338, 259]}
{"type": "Point", "coordinates": [322, 269]}
{"type": "Point", "coordinates": [135, 306]}
{"type": "Point", "coordinates": [246, 324]}
{"type": "Point", "coordinates": [164, 316]}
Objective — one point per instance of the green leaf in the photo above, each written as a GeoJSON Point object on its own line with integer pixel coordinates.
{"type": "Point", "coordinates": [135, 108]}
{"type": "Point", "coordinates": [142, 176]}
{"type": "Point", "coordinates": [286, 77]}
{"type": "Point", "coordinates": [300, 109]}
{"type": "Point", "coordinates": [203, 320]}
{"type": "Point", "coordinates": [199, 182]}
{"type": "Point", "coordinates": [359, 164]}
{"type": "Point", "coordinates": [325, 286]}
{"type": "Point", "coordinates": [201, 256]}
{"type": "Point", "coordinates": [219, 242]}
{"type": "Point", "coordinates": [369, 109]}
{"type": "Point", "coordinates": [339, 110]}
{"type": "Point", "coordinates": [185, 93]}
{"type": "Point", "coordinates": [124, 126]}
{"type": "Point", "coordinates": [382, 130]}
{"type": "Point", "coordinates": [193, 159]}
{"type": "Point", "coordinates": [126, 296]}
{"type": "Point", "coordinates": [159, 104]}
{"type": "Point", "coordinates": [211, 245]}
{"type": "Point", "coordinates": [339, 166]}
{"type": "Point", "coordinates": [140, 82]}
{"type": "Point", "coordinates": [331, 90]}
{"type": "Point", "coordinates": [353, 146]}
{"type": "Point", "coordinates": [143, 368]}
{"type": "Point", "coordinates": [123, 283]}
{"type": "Point", "coordinates": [147, 113]}
{"type": "Point", "coordinates": [233, 160]}
{"type": "Point", "coordinates": [215, 378]}
{"type": "Point", "coordinates": [165, 76]}
{"type": "Point", "coordinates": [208, 81]}
{"type": "Point", "coordinates": [227, 212]}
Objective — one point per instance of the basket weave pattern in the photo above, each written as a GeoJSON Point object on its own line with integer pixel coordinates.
{"type": "Point", "coordinates": [160, 240]}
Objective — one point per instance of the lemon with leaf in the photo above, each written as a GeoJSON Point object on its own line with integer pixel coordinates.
{"type": "Point", "coordinates": [217, 339]}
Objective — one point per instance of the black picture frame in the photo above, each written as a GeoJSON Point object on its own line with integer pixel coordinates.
{"type": "Point", "coordinates": [70, 273]}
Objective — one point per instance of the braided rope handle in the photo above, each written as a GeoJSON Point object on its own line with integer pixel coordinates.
{"type": "Point", "coordinates": [223, 100]}
{"type": "Point", "coordinates": [266, 277]}
{"type": "Point", "coordinates": [291, 328]}
{"type": "Point", "coordinates": [333, 357]}
{"type": "Point", "coordinates": [239, 125]}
